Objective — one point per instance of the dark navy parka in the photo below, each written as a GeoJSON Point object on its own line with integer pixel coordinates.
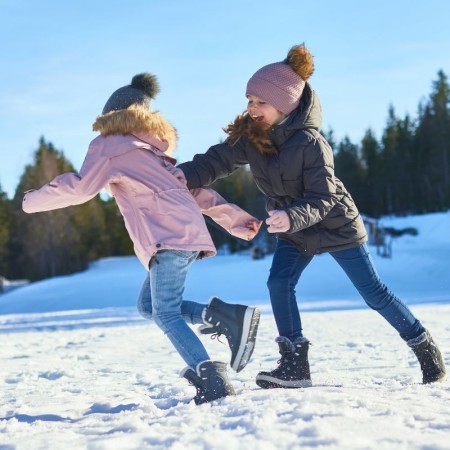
{"type": "Point", "coordinates": [298, 179]}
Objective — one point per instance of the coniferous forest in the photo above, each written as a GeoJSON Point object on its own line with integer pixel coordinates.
{"type": "Point", "coordinates": [405, 171]}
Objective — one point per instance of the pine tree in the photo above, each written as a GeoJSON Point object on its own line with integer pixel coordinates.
{"type": "Point", "coordinates": [349, 169]}
{"type": "Point", "coordinates": [55, 242]}
{"type": "Point", "coordinates": [5, 229]}
{"type": "Point", "coordinates": [397, 165]}
{"type": "Point", "coordinates": [389, 162]}
{"type": "Point", "coordinates": [425, 199]}
{"type": "Point", "coordinates": [440, 110]}
{"type": "Point", "coordinates": [404, 181]}
{"type": "Point", "coordinates": [117, 240]}
{"type": "Point", "coordinates": [373, 181]}
{"type": "Point", "coordinates": [432, 143]}
{"type": "Point", "coordinates": [436, 127]}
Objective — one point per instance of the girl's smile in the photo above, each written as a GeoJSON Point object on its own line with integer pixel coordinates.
{"type": "Point", "coordinates": [261, 111]}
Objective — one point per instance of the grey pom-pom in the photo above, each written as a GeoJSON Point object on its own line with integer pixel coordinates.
{"type": "Point", "coordinates": [147, 83]}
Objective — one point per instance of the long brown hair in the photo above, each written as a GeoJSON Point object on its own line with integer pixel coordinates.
{"type": "Point", "coordinates": [255, 132]}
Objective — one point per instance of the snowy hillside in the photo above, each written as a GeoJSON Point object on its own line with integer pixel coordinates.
{"type": "Point", "coordinates": [418, 272]}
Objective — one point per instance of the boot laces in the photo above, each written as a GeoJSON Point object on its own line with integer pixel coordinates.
{"type": "Point", "coordinates": [285, 357]}
{"type": "Point", "coordinates": [216, 336]}
{"type": "Point", "coordinates": [219, 331]}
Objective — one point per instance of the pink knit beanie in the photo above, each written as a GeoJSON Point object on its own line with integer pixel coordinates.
{"type": "Point", "coordinates": [281, 84]}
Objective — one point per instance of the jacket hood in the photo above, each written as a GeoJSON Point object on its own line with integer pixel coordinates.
{"type": "Point", "coordinates": [309, 112]}
{"type": "Point", "coordinates": [137, 120]}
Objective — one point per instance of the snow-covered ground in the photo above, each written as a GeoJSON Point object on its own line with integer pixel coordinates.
{"type": "Point", "coordinates": [79, 369]}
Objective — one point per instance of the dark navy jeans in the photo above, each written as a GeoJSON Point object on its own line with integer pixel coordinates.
{"type": "Point", "coordinates": [287, 266]}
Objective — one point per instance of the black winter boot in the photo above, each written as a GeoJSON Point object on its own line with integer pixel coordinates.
{"type": "Point", "coordinates": [211, 380]}
{"type": "Point", "coordinates": [238, 323]}
{"type": "Point", "coordinates": [430, 358]}
{"type": "Point", "coordinates": [293, 366]}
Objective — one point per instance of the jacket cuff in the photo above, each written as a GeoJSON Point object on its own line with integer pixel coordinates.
{"type": "Point", "coordinates": [292, 228]}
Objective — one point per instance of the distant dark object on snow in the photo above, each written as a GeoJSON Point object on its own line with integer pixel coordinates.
{"type": "Point", "coordinates": [397, 233]}
{"type": "Point", "coordinates": [381, 237]}
{"type": "Point", "coordinates": [9, 285]}
{"type": "Point", "coordinates": [257, 252]}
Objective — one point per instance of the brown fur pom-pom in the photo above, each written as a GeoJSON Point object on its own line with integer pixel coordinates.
{"type": "Point", "coordinates": [301, 61]}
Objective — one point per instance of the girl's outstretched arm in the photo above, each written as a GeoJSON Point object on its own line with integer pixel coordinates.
{"type": "Point", "coordinates": [70, 188]}
{"type": "Point", "coordinates": [219, 161]}
{"type": "Point", "coordinates": [229, 216]}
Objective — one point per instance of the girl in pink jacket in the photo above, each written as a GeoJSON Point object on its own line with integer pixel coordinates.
{"type": "Point", "coordinates": [131, 158]}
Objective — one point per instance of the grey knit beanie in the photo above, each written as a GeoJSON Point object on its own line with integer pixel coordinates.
{"type": "Point", "coordinates": [141, 91]}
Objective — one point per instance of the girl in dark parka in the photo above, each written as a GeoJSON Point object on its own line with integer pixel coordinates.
{"type": "Point", "coordinates": [309, 209]}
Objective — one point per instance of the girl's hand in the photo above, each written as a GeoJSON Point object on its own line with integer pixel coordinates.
{"type": "Point", "coordinates": [278, 221]}
{"type": "Point", "coordinates": [253, 228]}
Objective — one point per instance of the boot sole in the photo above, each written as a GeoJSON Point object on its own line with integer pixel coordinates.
{"type": "Point", "coordinates": [268, 382]}
{"type": "Point", "coordinates": [247, 345]}
{"type": "Point", "coordinates": [442, 378]}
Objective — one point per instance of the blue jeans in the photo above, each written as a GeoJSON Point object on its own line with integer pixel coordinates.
{"type": "Point", "coordinates": [161, 299]}
{"type": "Point", "coordinates": [288, 265]}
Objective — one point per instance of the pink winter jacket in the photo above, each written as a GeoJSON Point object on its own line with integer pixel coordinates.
{"type": "Point", "coordinates": [158, 209]}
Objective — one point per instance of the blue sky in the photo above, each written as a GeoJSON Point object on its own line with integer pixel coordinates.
{"type": "Point", "coordinates": [62, 60]}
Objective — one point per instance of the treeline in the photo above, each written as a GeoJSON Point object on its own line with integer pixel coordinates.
{"type": "Point", "coordinates": [406, 172]}
{"type": "Point", "coordinates": [63, 241]}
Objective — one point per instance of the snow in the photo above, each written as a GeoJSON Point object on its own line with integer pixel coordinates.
{"type": "Point", "coordinates": [80, 369]}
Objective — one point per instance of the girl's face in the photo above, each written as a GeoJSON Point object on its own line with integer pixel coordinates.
{"type": "Point", "coordinates": [260, 111]}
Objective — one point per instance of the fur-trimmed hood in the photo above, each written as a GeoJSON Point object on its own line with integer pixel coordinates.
{"type": "Point", "coordinates": [140, 120]}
